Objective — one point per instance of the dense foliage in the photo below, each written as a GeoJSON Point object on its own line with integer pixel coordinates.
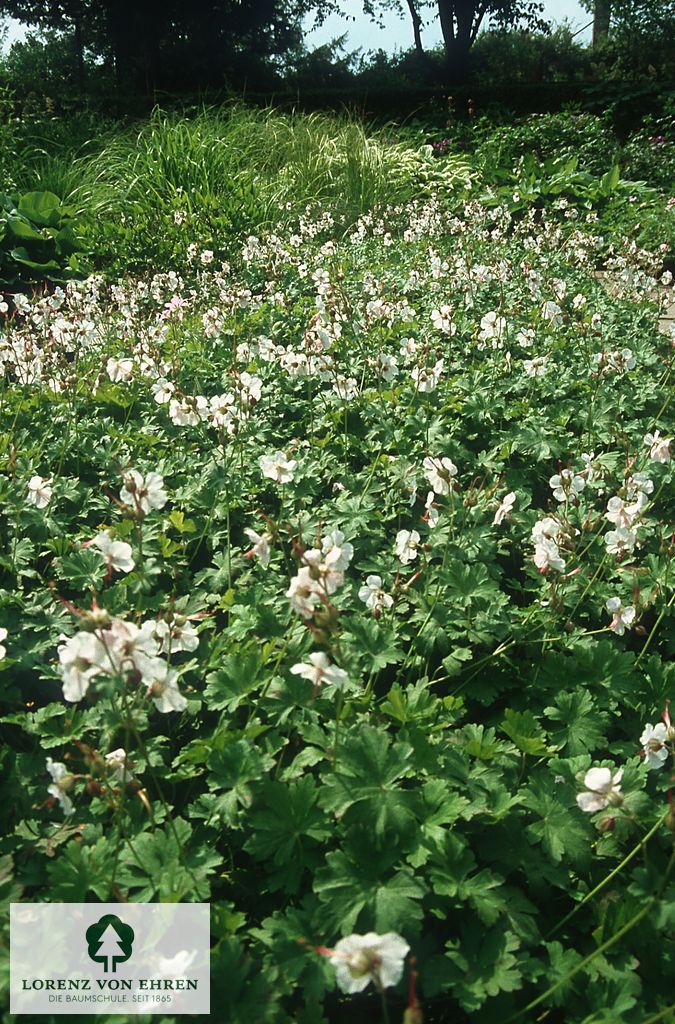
{"type": "Point", "coordinates": [336, 586]}
{"type": "Point", "coordinates": [38, 240]}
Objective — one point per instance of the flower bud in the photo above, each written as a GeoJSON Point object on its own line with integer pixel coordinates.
{"type": "Point", "coordinates": [97, 618]}
{"type": "Point", "coordinates": [413, 1015]}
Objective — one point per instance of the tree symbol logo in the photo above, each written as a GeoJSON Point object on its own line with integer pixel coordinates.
{"type": "Point", "coordinates": [110, 941]}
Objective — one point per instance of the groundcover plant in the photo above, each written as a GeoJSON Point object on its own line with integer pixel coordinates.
{"type": "Point", "coordinates": [336, 590]}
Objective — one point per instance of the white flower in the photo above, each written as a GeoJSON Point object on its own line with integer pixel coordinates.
{"type": "Point", "coordinates": [442, 320]}
{"type": "Point", "coordinates": [622, 617]}
{"type": "Point", "coordinates": [552, 311]}
{"type": "Point", "coordinates": [336, 552]}
{"type": "Point", "coordinates": [566, 485]}
{"type": "Point", "coordinates": [526, 338]}
{"type": "Point", "coordinates": [360, 959]}
{"type": "Point", "coordinates": [249, 390]}
{"type": "Point", "coordinates": [176, 635]}
{"type": "Point", "coordinates": [492, 327]}
{"type": "Point", "coordinates": [439, 472]}
{"type": "Point", "coordinates": [432, 515]}
{"type": "Point", "coordinates": [653, 742]}
{"type": "Point", "coordinates": [406, 545]}
{"type": "Point", "coordinates": [620, 541]}
{"type": "Point", "coordinates": [188, 411]}
{"type": "Point", "coordinates": [120, 369]}
{"type": "Point", "coordinates": [426, 378]}
{"type": "Point", "coordinates": [303, 593]}
{"type": "Point", "coordinates": [320, 671]}
{"type": "Point", "coordinates": [39, 491]}
{"type": "Point", "coordinates": [261, 545]}
{"type": "Point", "coordinates": [536, 367]}
{"type": "Point", "coordinates": [385, 366]}
{"type": "Point", "coordinates": [373, 596]}
{"type": "Point", "coordinates": [602, 788]}
{"type": "Point", "coordinates": [117, 761]}
{"type": "Point", "coordinates": [295, 364]}
{"type": "Point", "coordinates": [61, 783]}
{"type": "Point", "coordinates": [659, 447]}
{"type": "Point", "coordinates": [131, 648]}
{"type": "Point", "coordinates": [346, 387]}
{"type": "Point", "coordinates": [505, 508]}
{"type": "Point", "coordinates": [162, 684]}
{"type": "Point", "coordinates": [546, 528]}
{"type": "Point", "coordinates": [277, 467]}
{"type": "Point", "coordinates": [81, 657]}
{"type": "Point", "coordinates": [162, 390]}
{"type": "Point", "coordinates": [325, 573]}
{"type": "Point", "coordinates": [616, 512]}
{"type": "Point", "coordinates": [639, 483]}
{"type": "Point", "coordinates": [116, 553]}
{"type": "Point", "coordinates": [547, 556]}
{"type": "Point", "coordinates": [222, 411]}
{"type": "Point", "coordinates": [143, 493]}
{"type": "Point", "coordinates": [3, 636]}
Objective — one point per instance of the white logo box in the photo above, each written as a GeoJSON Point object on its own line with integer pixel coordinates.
{"type": "Point", "coordinates": [113, 958]}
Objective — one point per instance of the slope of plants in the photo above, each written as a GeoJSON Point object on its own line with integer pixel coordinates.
{"type": "Point", "coordinates": [336, 589]}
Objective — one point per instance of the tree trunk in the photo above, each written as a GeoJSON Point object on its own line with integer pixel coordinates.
{"type": "Point", "coordinates": [458, 29]}
{"type": "Point", "coordinates": [79, 53]}
{"type": "Point", "coordinates": [417, 28]}
{"type": "Point", "coordinates": [601, 15]}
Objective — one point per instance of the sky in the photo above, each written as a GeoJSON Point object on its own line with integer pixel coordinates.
{"type": "Point", "coordinates": [396, 33]}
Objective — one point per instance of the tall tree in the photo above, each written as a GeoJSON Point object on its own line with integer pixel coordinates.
{"type": "Point", "coordinates": [154, 43]}
{"type": "Point", "coordinates": [460, 21]}
{"type": "Point", "coordinates": [602, 13]}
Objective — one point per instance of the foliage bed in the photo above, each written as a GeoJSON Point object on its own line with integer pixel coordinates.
{"type": "Point", "coordinates": [402, 578]}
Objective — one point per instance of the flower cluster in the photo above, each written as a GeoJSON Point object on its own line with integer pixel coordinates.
{"type": "Point", "coordinates": [121, 650]}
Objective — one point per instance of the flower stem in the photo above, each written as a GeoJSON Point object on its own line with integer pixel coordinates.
{"type": "Point", "coordinates": [383, 1000]}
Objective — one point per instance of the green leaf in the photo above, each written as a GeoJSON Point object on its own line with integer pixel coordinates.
{"type": "Point", "coordinates": [483, 964]}
{"type": "Point", "coordinates": [23, 230]}
{"type": "Point", "coordinates": [81, 870]}
{"type": "Point", "coordinates": [180, 523]}
{"type": "Point", "coordinates": [286, 826]}
{"type": "Point", "coordinates": [562, 831]}
{"type": "Point", "coordinates": [43, 208]}
{"type": "Point", "coordinates": [166, 864]}
{"type": "Point", "coordinates": [239, 675]}
{"type": "Point", "coordinates": [581, 726]}
{"type": "Point", "coordinates": [525, 732]}
{"type": "Point", "coordinates": [375, 644]}
{"type": "Point", "coordinates": [353, 888]}
{"type": "Point", "coordinates": [232, 772]}
{"type": "Point", "coordinates": [366, 777]}
{"type": "Point", "coordinates": [82, 569]}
